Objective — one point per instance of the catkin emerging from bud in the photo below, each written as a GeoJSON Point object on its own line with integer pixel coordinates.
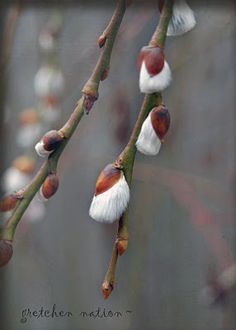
{"type": "Point", "coordinates": [49, 142]}
{"type": "Point", "coordinates": [111, 195]}
{"type": "Point", "coordinates": [155, 73]}
{"type": "Point", "coordinates": [153, 131]}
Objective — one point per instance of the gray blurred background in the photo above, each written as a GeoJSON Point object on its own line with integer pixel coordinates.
{"type": "Point", "coordinates": [182, 211]}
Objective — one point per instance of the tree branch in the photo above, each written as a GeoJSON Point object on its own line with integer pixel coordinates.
{"type": "Point", "coordinates": [90, 89]}
{"type": "Point", "coordinates": [127, 157]}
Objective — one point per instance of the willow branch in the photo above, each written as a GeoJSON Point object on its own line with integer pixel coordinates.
{"type": "Point", "coordinates": [127, 157]}
{"type": "Point", "coordinates": [91, 89]}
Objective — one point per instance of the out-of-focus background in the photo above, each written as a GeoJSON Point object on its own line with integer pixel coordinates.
{"type": "Point", "coordinates": [182, 210]}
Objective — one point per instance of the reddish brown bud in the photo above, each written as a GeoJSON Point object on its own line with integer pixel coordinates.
{"type": "Point", "coordinates": [160, 118]}
{"type": "Point", "coordinates": [160, 5]}
{"type": "Point", "coordinates": [128, 3]}
{"type": "Point", "coordinates": [52, 139]}
{"type": "Point", "coordinates": [107, 178]}
{"type": "Point", "coordinates": [90, 91]}
{"type": "Point", "coordinates": [24, 164]}
{"type": "Point", "coordinates": [105, 74]}
{"type": "Point", "coordinates": [106, 289]}
{"type": "Point", "coordinates": [29, 117]}
{"type": "Point", "coordinates": [121, 245]}
{"type": "Point", "coordinates": [154, 59]}
{"type": "Point", "coordinates": [101, 40]}
{"type": "Point", "coordinates": [6, 251]}
{"type": "Point", "coordinates": [50, 186]}
{"type": "Point", "coordinates": [88, 103]}
{"type": "Point", "coordinates": [8, 203]}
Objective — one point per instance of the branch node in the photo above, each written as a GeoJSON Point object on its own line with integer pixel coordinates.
{"type": "Point", "coordinates": [121, 245]}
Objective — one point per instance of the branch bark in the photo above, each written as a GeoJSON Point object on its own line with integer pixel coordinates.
{"type": "Point", "coordinates": [127, 157]}
{"type": "Point", "coordinates": [50, 165]}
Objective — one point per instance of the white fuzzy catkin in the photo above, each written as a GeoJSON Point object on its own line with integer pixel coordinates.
{"type": "Point", "coordinates": [111, 204]}
{"type": "Point", "coordinates": [48, 81]}
{"type": "Point", "coordinates": [182, 19]}
{"type": "Point", "coordinates": [148, 142]}
{"type": "Point", "coordinates": [39, 148]}
{"type": "Point", "coordinates": [13, 179]}
{"type": "Point", "coordinates": [51, 113]}
{"type": "Point", "coordinates": [151, 84]}
{"type": "Point", "coordinates": [28, 134]}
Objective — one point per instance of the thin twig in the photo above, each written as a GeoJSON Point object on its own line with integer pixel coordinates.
{"type": "Point", "coordinates": [127, 157]}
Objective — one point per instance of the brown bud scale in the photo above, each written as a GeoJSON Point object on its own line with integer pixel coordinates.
{"type": "Point", "coordinates": [154, 59]}
{"type": "Point", "coordinates": [52, 139]}
{"type": "Point", "coordinates": [107, 178]}
{"type": "Point", "coordinates": [160, 119]}
{"type": "Point", "coordinates": [101, 40]}
{"type": "Point", "coordinates": [50, 186]}
{"type": "Point", "coordinates": [8, 203]}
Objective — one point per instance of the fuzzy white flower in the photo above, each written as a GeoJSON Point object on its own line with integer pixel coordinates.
{"type": "Point", "coordinates": [182, 19]}
{"type": "Point", "coordinates": [41, 151]}
{"type": "Point", "coordinates": [153, 130]}
{"type": "Point", "coordinates": [151, 84]}
{"type": "Point", "coordinates": [148, 142]}
{"type": "Point", "coordinates": [111, 197]}
{"type": "Point", "coordinates": [155, 73]}
{"type": "Point", "coordinates": [14, 179]}
{"type": "Point", "coordinates": [49, 142]}
{"type": "Point", "coordinates": [51, 113]}
{"type": "Point", "coordinates": [28, 135]}
{"type": "Point", "coordinates": [48, 81]}
{"type": "Point", "coordinates": [47, 42]}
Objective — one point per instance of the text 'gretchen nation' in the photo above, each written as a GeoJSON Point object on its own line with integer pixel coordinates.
{"type": "Point", "coordinates": [55, 313]}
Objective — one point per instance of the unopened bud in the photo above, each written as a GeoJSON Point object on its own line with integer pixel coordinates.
{"type": "Point", "coordinates": [88, 103]}
{"type": "Point", "coordinates": [49, 187]}
{"type": "Point", "coordinates": [121, 245]}
{"type": "Point", "coordinates": [101, 40]}
{"type": "Point", "coordinates": [107, 288]}
{"type": "Point", "coordinates": [160, 119]}
{"type": "Point", "coordinates": [8, 203]}
{"type": "Point", "coordinates": [6, 251]}
{"type": "Point", "coordinates": [49, 142]}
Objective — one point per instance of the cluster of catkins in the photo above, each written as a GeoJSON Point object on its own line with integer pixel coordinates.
{"type": "Point", "coordinates": [49, 87]}
{"type": "Point", "coordinates": [112, 193]}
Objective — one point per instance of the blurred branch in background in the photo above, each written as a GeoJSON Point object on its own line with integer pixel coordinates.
{"type": "Point", "coordinates": [8, 22]}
